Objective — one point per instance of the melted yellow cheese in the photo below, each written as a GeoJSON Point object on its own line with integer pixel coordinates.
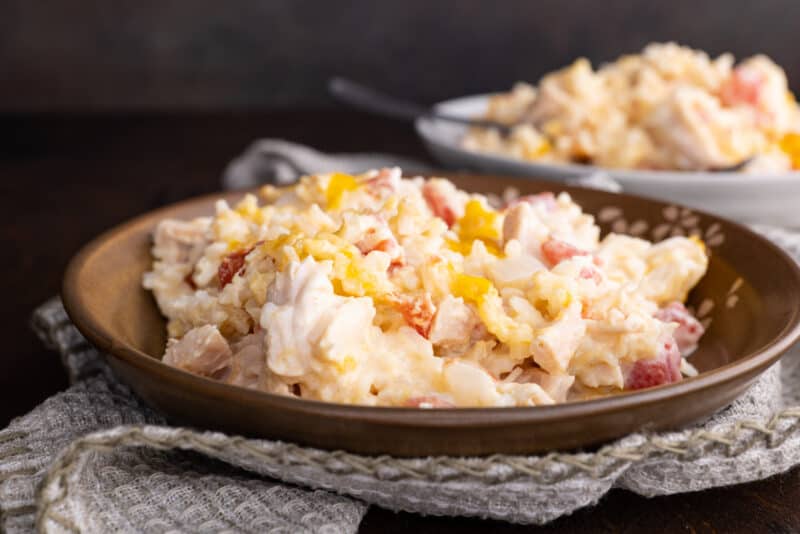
{"type": "Point", "coordinates": [338, 184]}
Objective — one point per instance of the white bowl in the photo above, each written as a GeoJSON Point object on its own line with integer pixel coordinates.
{"type": "Point", "coordinates": [770, 199]}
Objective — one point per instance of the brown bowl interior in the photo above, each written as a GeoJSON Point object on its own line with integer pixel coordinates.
{"type": "Point", "coordinates": [751, 295]}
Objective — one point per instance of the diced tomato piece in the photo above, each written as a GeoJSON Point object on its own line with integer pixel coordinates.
{"type": "Point", "coordinates": [188, 279]}
{"type": "Point", "coordinates": [438, 203]}
{"type": "Point", "coordinates": [387, 246]}
{"type": "Point", "coordinates": [431, 401]}
{"type": "Point", "coordinates": [590, 273]}
{"type": "Point", "coordinates": [418, 312]}
{"type": "Point", "coordinates": [381, 183]}
{"type": "Point", "coordinates": [367, 243]}
{"type": "Point", "coordinates": [743, 87]}
{"type": "Point", "coordinates": [664, 368]}
{"type": "Point", "coordinates": [372, 241]}
{"type": "Point", "coordinates": [554, 251]}
{"type": "Point", "coordinates": [689, 329]}
{"type": "Point", "coordinates": [393, 249]}
{"type": "Point", "coordinates": [230, 265]}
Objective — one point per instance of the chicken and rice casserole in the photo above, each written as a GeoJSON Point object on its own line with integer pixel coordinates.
{"type": "Point", "coordinates": [669, 107]}
{"type": "Point", "coordinates": [379, 290]}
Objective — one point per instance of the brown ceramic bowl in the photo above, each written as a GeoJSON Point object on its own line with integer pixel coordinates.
{"type": "Point", "coordinates": [750, 300]}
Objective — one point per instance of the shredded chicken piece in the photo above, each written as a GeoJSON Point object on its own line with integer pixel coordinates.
{"type": "Point", "coordinates": [180, 241]}
{"type": "Point", "coordinates": [202, 351]}
{"type": "Point", "coordinates": [453, 324]}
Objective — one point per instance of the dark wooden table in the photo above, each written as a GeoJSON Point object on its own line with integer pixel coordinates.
{"type": "Point", "coordinates": [63, 180]}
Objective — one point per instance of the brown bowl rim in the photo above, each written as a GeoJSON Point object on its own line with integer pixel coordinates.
{"type": "Point", "coordinates": [460, 417]}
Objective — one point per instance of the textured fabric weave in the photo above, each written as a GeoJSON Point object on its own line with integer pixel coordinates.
{"type": "Point", "coordinates": [136, 489]}
{"type": "Point", "coordinates": [96, 459]}
{"type": "Point", "coordinates": [279, 162]}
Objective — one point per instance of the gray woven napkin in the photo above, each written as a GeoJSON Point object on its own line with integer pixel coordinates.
{"type": "Point", "coordinates": [280, 162]}
{"type": "Point", "coordinates": [95, 459]}
{"type": "Point", "coordinates": [118, 486]}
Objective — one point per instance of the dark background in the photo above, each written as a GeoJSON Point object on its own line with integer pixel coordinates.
{"type": "Point", "coordinates": [169, 55]}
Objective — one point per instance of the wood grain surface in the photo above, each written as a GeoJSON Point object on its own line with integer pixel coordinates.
{"type": "Point", "coordinates": [64, 179]}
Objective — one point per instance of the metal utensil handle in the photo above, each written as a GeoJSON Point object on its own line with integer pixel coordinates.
{"type": "Point", "coordinates": [368, 99]}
